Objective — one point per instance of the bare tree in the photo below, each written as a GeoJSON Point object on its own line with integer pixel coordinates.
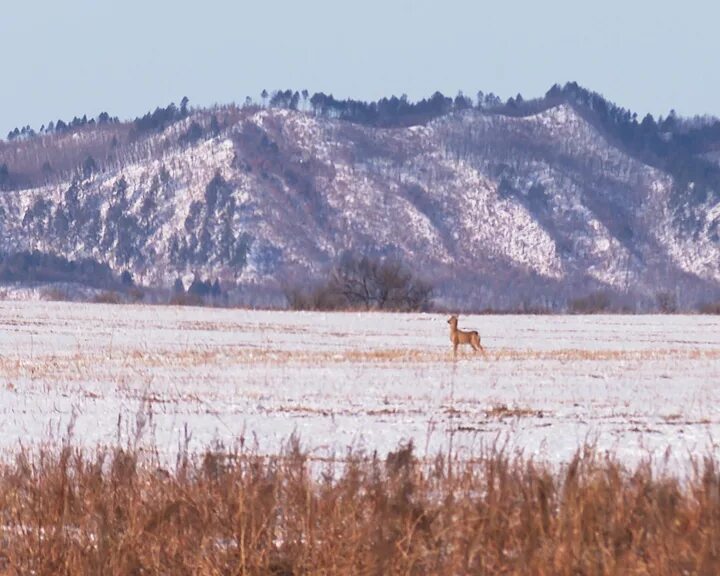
{"type": "Point", "coordinates": [380, 284]}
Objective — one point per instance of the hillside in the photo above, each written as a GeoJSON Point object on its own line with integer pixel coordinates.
{"type": "Point", "coordinates": [496, 207]}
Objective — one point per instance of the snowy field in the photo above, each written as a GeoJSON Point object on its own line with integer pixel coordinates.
{"type": "Point", "coordinates": [171, 377]}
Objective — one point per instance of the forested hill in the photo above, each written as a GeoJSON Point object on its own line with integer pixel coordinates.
{"type": "Point", "coordinates": [500, 204]}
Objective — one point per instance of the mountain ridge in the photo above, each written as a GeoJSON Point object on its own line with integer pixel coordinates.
{"type": "Point", "coordinates": [499, 210]}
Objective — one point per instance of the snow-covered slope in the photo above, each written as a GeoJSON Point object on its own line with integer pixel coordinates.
{"type": "Point", "coordinates": [494, 210]}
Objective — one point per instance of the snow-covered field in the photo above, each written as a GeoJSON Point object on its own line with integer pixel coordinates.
{"type": "Point", "coordinates": [171, 376]}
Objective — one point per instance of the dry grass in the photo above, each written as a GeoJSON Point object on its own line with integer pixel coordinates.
{"type": "Point", "coordinates": [81, 365]}
{"type": "Point", "coordinates": [500, 411]}
{"type": "Point", "coordinates": [67, 512]}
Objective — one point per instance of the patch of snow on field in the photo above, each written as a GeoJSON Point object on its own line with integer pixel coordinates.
{"type": "Point", "coordinates": [166, 376]}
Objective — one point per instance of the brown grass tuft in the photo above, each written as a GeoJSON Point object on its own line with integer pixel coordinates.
{"type": "Point", "coordinates": [500, 411]}
{"type": "Point", "coordinates": [235, 512]}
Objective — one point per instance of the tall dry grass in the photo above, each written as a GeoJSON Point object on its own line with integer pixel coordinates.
{"type": "Point", "coordinates": [65, 511]}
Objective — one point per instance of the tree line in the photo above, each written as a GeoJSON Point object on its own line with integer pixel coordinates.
{"type": "Point", "coordinates": [62, 127]}
{"type": "Point", "coordinates": [672, 144]}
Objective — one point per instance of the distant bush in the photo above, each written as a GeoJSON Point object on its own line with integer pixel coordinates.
{"type": "Point", "coordinates": [595, 303]}
{"type": "Point", "coordinates": [56, 295]}
{"type": "Point", "coordinates": [314, 298]}
{"type": "Point", "coordinates": [108, 297]}
{"type": "Point", "coordinates": [710, 308]}
{"type": "Point", "coordinates": [365, 283]}
{"type": "Point", "coordinates": [185, 299]}
{"type": "Point", "coordinates": [42, 267]}
{"type": "Point", "coordinates": [200, 293]}
{"type": "Point", "coordinates": [524, 309]}
{"type": "Point", "coordinates": [384, 284]}
{"type": "Point", "coordinates": [135, 294]}
{"type": "Point", "coordinates": [666, 302]}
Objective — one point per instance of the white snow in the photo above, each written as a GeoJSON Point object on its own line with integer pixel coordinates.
{"type": "Point", "coordinates": [634, 385]}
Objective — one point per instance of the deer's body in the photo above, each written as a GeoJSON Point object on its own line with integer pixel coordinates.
{"type": "Point", "coordinates": [458, 337]}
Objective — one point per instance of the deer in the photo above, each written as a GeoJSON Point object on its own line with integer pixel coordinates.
{"type": "Point", "coordinates": [458, 337]}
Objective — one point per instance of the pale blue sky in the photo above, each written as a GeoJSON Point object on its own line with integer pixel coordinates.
{"type": "Point", "coordinates": [75, 57]}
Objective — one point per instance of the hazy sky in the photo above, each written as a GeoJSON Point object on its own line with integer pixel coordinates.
{"type": "Point", "coordinates": [73, 57]}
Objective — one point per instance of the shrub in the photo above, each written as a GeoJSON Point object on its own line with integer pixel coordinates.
{"type": "Point", "coordinates": [384, 284]}
{"type": "Point", "coordinates": [108, 297]}
{"type": "Point", "coordinates": [135, 294]}
{"type": "Point", "coordinates": [186, 299]}
{"type": "Point", "coordinates": [313, 298]}
{"type": "Point", "coordinates": [363, 282]}
{"type": "Point", "coordinates": [710, 308]}
{"type": "Point", "coordinates": [594, 303]}
{"type": "Point", "coordinates": [666, 302]}
{"type": "Point", "coordinates": [56, 294]}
